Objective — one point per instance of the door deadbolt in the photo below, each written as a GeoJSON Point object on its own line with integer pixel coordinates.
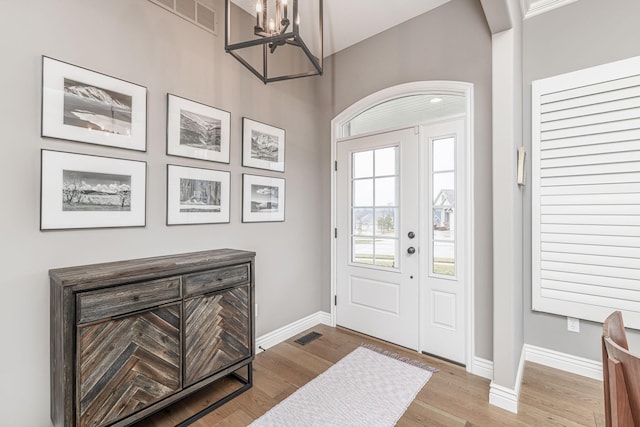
{"type": "Point", "coordinates": [411, 235]}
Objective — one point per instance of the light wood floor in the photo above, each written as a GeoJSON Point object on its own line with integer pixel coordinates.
{"type": "Point", "coordinates": [452, 397]}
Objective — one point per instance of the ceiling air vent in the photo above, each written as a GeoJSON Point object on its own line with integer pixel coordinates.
{"type": "Point", "coordinates": [198, 12]}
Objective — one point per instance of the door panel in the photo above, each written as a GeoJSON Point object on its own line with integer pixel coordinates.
{"type": "Point", "coordinates": [375, 295]}
{"type": "Point", "coordinates": [443, 309]}
{"type": "Point", "coordinates": [377, 189]}
{"type": "Point", "coordinates": [443, 282]}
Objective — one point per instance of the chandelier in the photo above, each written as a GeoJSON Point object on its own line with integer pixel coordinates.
{"type": "Point", "coordinates": [275, 39]}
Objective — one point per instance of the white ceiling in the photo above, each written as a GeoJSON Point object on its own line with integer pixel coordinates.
{"type": "Point", "coordinates": [347, 22]}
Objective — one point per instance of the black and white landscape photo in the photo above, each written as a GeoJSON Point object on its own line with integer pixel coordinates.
{"type": "Point", "coordinates": [264, 198]}
{"type": "Point", "coordinates": [87, 106]}
{"type": "Point", "coordinates": [94, 108]}
{"type": "Point", "coordinates": [264, 146]}
{"type": "Point", "coordinates": [91, 191]}
{"type": "Point", "coordinates": [198, 195]}
{"type": "Point", "coordinates": [198, 131]}
{"type": "Point", "coordinates": [83, 191]}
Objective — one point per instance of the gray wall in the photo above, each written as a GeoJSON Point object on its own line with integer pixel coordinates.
{"type": "Point", "coordinates": [451, 42]}
{"type": "Point", "coordinates": [140, 42]}
{"type": "Point", "coordinates": [580, 35]}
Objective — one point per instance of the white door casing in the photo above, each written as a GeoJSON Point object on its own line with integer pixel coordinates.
{"type": "Point", "coordinates": [465, 251]}
{"type": "Point", "coordinates": [377, 285]}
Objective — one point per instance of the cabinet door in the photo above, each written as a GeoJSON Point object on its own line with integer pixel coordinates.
{"type": "Point", "coordinates": [127, 364]}
{"type": "Point", "coordinates": [217, 332]}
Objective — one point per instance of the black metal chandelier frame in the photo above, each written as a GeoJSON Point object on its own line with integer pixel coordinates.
{"type": "Point", "coordinates": [271, 40]}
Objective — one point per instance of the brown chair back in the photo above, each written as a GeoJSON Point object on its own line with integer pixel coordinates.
{"type": "Point", "coordinates": [621, 375]}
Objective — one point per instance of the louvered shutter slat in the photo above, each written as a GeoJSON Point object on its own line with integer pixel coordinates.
{"type": "Point", "coordinates": [586, 193]}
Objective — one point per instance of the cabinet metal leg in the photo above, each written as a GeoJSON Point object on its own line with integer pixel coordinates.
{"type": "Point", "coordinates": [247, 384]}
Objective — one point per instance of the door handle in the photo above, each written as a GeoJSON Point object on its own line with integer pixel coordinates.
{"type": "Point", "coordinates": [411, 250]}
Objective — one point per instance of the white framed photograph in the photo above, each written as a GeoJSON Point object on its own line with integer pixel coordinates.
{"type": "Point", "coordinates": [83, 191]}
{"type": "Point", "coordinates": [86, 106]}
{"type": "Point", "coordinates": [263, 198]}
{"type": "Point", "coordinates": [197, 196]}
{"type": "Point", "coordinates": [197, 130]}
{"type": "Point", "coordinates": [262, 145]}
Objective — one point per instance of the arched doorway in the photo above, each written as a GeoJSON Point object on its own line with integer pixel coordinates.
{"type": "Point", "coordinates": [402, 209]}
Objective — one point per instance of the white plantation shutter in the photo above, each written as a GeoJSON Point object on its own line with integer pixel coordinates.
{"type": "Point", "coordinates": [586, 193]}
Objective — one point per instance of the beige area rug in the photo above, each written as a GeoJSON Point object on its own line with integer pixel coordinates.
{"type": "Point", "coordinates": [365, 388]}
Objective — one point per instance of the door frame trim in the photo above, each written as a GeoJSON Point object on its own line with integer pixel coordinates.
{"type": "Point", "coordinates": [388, 94]}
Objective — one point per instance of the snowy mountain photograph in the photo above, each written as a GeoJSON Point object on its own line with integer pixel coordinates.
{"type": "Point", "coordinates": [264, 146]}
{"type": "Point", "coordinates": [198, 131]}
{"type": "Point", "coordinates": [94, 108]}
{"type": "Point", "coordinates": [92, 191]}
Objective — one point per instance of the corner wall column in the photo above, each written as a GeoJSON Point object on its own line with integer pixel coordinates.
{"type": "Point", "coordinates": [505, 21]}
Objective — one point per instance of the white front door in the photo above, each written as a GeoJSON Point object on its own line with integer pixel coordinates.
{"type": "Point", "coordinates": [443, 213]}
{"type": "Point", "coordinates": [377, 236]}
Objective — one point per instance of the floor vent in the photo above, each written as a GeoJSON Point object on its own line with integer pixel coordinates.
{"type": "Point", "coordinates": [308, 338]}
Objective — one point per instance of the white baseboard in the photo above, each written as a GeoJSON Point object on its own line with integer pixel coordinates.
{"type": "Point", "coordinates": [565, 362]}
{"type": "Point", "coordinates": [284, 333]}
{"type": "Point", "coordinates": [503, 397]}
{"type": "Point", "coordinates": [507, 398]}
{"type": "Point", "coordinates": [482, 367]}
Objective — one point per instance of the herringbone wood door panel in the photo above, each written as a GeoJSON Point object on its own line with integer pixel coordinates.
{"type": "Point", "coordinates": [217, 332]}
{"type": "Point", "coordinates": [127, 364]}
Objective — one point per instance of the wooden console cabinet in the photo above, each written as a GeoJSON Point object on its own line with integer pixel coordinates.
{"type": "Point", "coordinates": [130, 338]}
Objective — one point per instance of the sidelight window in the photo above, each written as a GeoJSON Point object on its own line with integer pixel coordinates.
{"type": "Point", "coordinates": [443, 190]}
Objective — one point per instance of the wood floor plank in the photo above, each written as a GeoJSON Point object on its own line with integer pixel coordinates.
{"type": "Point", "coordinates": [310, 361]}
{"type": "Point", "coordinates": [289, 370]}
{"type": "Point", "coordinates": [421, 414]}
{"type": "Point", "coordinates": [239, 418]}
{"type": "Point", "coordinates": [452, 397]}
{"type": "Point", "coordinates": [256, 403]}
{"type": "Point", "coordinates": [269, 382]}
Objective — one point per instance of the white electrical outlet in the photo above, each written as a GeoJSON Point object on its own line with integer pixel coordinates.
{"type": "Point", "coordinates": [573, 324]}
{"type": "Point", "coordinates": [256, 310]}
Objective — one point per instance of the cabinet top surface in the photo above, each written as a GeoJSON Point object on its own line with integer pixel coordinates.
{"type": "Point", "coordinates": [147, 267]}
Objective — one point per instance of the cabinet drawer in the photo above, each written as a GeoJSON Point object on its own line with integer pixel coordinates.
{"type": "Point", "coordinates": [125, 299]}
{"type": "Point", "coordinates": [200, 283]}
